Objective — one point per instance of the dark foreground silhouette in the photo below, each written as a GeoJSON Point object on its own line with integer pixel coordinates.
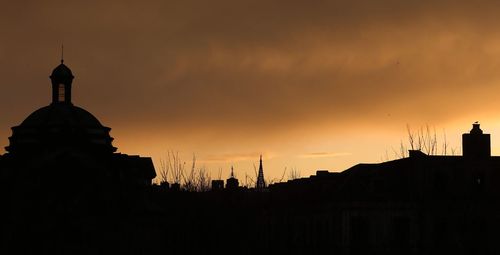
{"type": "Point", "coordinates": [64, 190]}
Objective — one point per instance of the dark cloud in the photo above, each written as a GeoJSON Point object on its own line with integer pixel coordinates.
{"type": "Point", "coordinates": [252, 67]}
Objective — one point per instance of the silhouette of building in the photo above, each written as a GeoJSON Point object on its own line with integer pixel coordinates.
{"type": "Point", "coordinates": [232, 183]}
{"type": "Point", "coordinates": [61, 179]}
{"type": "Point", "coordinates": [476, 144]}
{"type": "Point", "coordinates": [422, 204]}
{"type": "Point", "coordinates": [64, 187]}
{"type": "Point", "coordinates": [217, 185]}
{"type": "Point", "coordinates": [261, 183]}
{"type": "Point", "coordinates": [63, 143]}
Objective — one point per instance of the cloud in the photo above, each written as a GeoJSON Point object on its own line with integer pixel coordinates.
{"type": "Point", "coordinates": [191, 71]}
{"type": "Point", "coordinates": [231, 157]}
{"type": "Point", "coordinates": [254, 65]}
{"type": "Point", "coordinates": [324, 154]}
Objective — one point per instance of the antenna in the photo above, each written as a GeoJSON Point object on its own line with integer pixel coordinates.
{"type": "Point", "coordinates": [62, 53]}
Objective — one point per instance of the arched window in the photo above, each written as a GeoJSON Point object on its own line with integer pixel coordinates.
{"type": "Point", "coordinates": [61, 93]}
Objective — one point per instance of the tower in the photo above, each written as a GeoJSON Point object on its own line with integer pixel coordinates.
{"type": "Point", "coordinates": [61, 79]}
{"type": "Point", "coordinates": [476, 144]}
{"type": "Point", "coordinates": [232, 183]}
{"type": "Point", "coordinates": [261, 184]}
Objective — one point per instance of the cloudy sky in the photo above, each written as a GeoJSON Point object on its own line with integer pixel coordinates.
{"type": "Point", "coordinates": [309, 84]}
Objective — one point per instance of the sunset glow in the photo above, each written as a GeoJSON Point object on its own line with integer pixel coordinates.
{"type": "Point", "coordinates": [322, 85]}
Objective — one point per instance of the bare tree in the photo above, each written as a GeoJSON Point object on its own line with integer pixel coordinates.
{"type": "Point", "coordinates": [164, 170]}
{"type": "Point", "coordinates": [255, 172]}
{"type": "Point", "coordinates": [283, 175]}
{"type": "Point", "coordinates": [445, 144]}
{"type": "Point", "coordinates": [425, 140]}
{"type": "Point", "coordinates": [411, 137]}
{"type": "Point", "coordinates": [219, 174]}
{"type": "Point", "coordinates": [176, 166]}
{"type": "Point", "coordinates": [294, 174]}
{"type": "Point", "coordinates": [171, 168]}
{"type": "Point", "coordinates": [249, 181]}
{"type": "Point", "coordinates": [190, 179]}
{"type": "Point", "coordinates": [275, 180]}
{"type": "Point", "coordinates": [203, 180]}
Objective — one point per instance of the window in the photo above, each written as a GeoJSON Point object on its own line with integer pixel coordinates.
{"type": "Point", "coordinates": [479, 182]}
{"type": "Point", "coordinates": [62, 93]}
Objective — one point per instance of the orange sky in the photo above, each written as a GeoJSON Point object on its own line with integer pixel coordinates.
{"type": "Point", "coordinates": [311, 85]}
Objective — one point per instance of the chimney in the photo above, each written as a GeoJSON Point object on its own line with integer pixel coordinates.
{"type": "Point", "coordinates": [476, 144]}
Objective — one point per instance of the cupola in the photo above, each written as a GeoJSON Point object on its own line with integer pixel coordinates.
{"type": "Point", "coordinates": [61, 78]}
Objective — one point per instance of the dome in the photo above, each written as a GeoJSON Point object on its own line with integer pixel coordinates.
{"type": "Point", "coordinates": [62, 72]}
{"type": "Point", "coordinates": [60, 125]}
{"type": "Point", "coordinates": [61, 114]}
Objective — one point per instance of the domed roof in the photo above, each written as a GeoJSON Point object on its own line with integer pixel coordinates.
{"type": "Point", "coordinates": [61, 114]}
{"type": "Point", "coordinates": [60, 125]}
{"type": "Point", "coordinates": [62, 72]}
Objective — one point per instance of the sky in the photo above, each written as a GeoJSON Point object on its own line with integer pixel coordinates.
{"type": "Point", "coordinates": [308, 84]}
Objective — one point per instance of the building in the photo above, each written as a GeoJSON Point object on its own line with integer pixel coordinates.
{"type": "Point", "coordinates": [422, 204]}
{"type": "Point", "coordinates": [62, 179]}
{"type": "Point", "coordinates": [260, 183]}
{"type": "Point", "coordinates": [63, 187]}
{"type": "Point", "coordinates": [217, 185]}
{"type": "Point", "coordinates": [232, 183]}
{"type": "Point", "coordinates": [64, 146]}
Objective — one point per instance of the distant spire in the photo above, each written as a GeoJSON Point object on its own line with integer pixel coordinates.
{"type": "Point", "coordinates": [62, 53]}
{"type": "Point", "coordinates": [232, 172]}
{"type": "Point", "coordinates": [261, 183]}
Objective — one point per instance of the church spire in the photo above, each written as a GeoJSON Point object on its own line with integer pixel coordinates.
{"type": "Point", "coordinates": [261, 183]}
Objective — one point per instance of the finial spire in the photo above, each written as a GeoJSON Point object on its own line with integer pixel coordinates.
{"type": "Point", "coordinates": [232, 172]}
{"type": "Point", "coordinates": [62, 53]}
{"type": "Point", "coordinates": [261, 183]}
